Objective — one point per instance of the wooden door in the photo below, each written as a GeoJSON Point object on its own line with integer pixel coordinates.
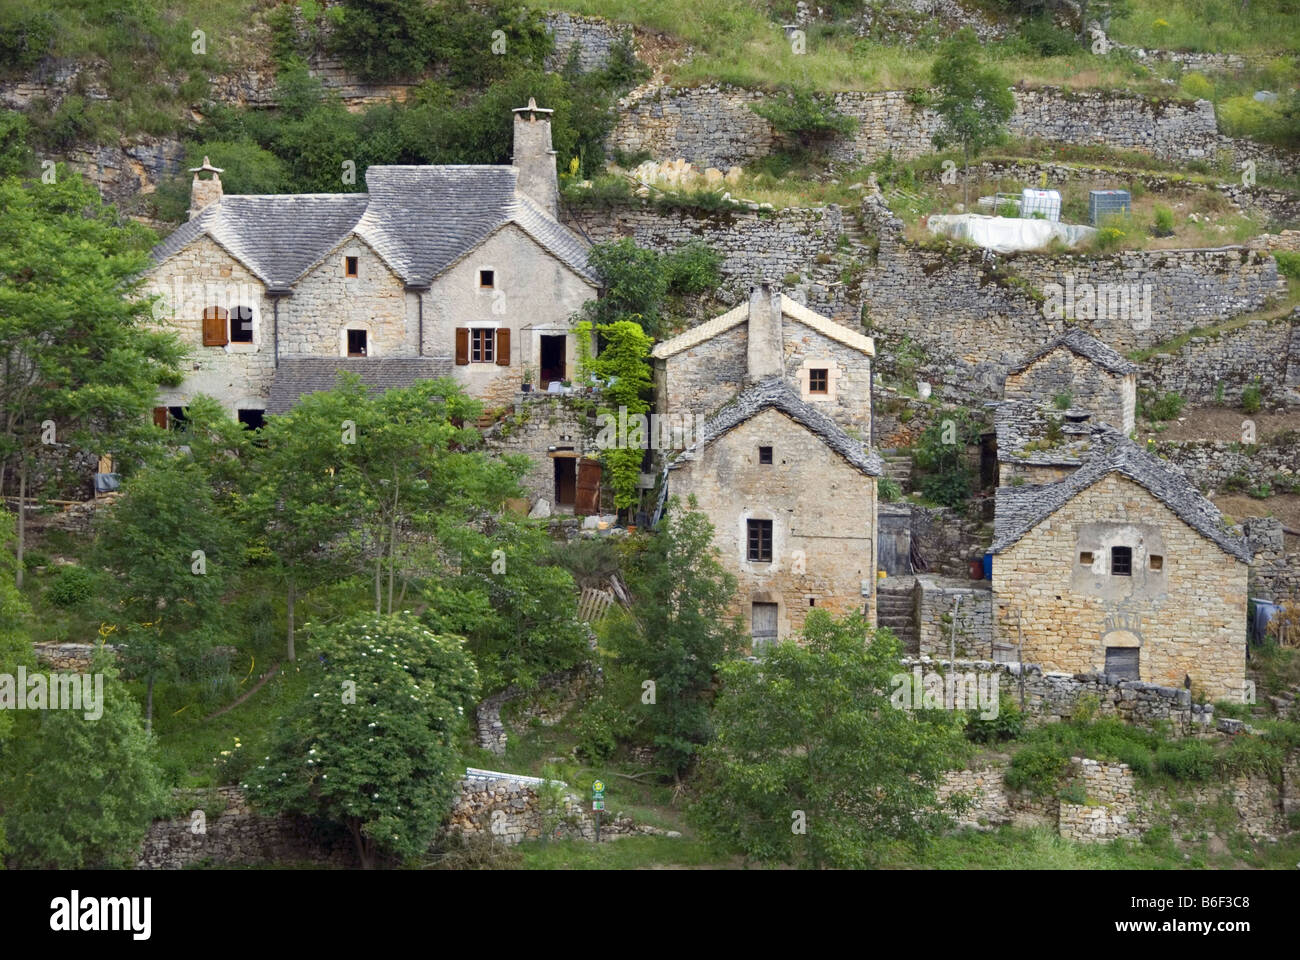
{"type": "Point", "coordinates": [588, 498]}
{"type": "Point", "coordinates": [763, 625]}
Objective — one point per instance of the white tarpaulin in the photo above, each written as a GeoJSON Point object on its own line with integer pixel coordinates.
{"type": "Point", "coordinates": [1007, 234]}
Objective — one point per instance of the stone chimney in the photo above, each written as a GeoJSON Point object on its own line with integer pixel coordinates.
{"type": "Point", "coordinates": [204, 192]}
{"type": "Point", "coordinates": [766, 353]}
{"type": "Point", "coordinates": [535, 158]}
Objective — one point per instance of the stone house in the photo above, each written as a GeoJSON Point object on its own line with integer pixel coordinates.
{"type": "Point", "coordinates": [1107, 559]}
{"type": "Point", "coordinates": [460, 271]}
{"type": "Point", "coordinates": [792, 499]}
{"type": "Point", "coordinates": [825, 363]}
{"type": "Point", "coordinates": [1121, 568]}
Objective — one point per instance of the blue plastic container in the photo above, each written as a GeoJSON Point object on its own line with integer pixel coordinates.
{"type": "Point", "coordinates": [988, 566]}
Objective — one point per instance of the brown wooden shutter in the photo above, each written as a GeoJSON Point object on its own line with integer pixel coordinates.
{"type": "Point", "coordinates": [214, 327]}
{"type": "Point", "coordinates": [462, 346]}
{"type": "Point", "coordinates": [160, 417]}
{"type": "Point", "coordinates": [503, 348]}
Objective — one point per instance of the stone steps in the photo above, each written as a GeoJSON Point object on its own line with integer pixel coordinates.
{"type": "Point", "coordinates": [899, 467]}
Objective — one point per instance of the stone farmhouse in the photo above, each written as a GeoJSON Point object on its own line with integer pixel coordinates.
{"type": "Point", "coordinates": [825, 363]}
{"type": "Point", "coordinates": [1106, 559]}
{"type": "Point", "coordinates": [790, 491]}
{"type": "Point", "coordinates": [459, 271]}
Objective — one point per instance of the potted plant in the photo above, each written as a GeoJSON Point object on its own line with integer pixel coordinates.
{"type": "Point", "coordinates": [527, 380]}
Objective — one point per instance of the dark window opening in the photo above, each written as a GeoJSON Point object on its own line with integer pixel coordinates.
{"type": "Point", "coordinates": [350, 266]}
{"type": "Point", "coordinates": [812, 601]}
{"type": "Point", "coordinates": [1121, 561]}
{"type": "Point", "coordinates": [176, 419]}
{"type": "Point", "coordinates": [1157, 562]}
{"type": "Point", "coordinates": [760, 540]}
{"type": "Point", "coordinates": [481, 345]}
{"type": "Point", "coordinates": [1085, 558]}
{"type": "Point", "coordinates": [252, 419]}
{"type": "Point", "coordinates": [553, 355]}
{"type": "Point", "coordinates": [819, 380]}
{"type": "Point", "coordinates": [764, 454]}
{"type": "Point", "coordinates": [356, 343]}
{"type": "Point", "coordinates": [487, 279]}
{"type": "Point", "coordinates": [241, 325]}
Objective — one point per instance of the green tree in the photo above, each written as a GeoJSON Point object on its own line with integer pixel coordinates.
{"type": "Point", "coordinates": [806, 121]}
{"type": "Point", "coordinates": [680, 627]}
{"type": "Point", "coordinates": [15, 650]}
{"type": "Point", "coordinates": [940, 455]}
{"type": "Point", "coordinates": [304, 500]}
{"type": "Point", "coordinates": [809, 738]}
{"type": "Point", "coordinates": [86, 789]}
{"type": "Point", "coordinates": [172, 552]}
{"type": "Point", "coordinates": [974, 101]}
{"type": "Point", "coordinates": [374, 748]}
{"type": "Point", "coordinates": [633, 285]}
{"type": "Point", "coordinates": [78, 364]}
{"type": "Point", "coordinates": [499, 589]}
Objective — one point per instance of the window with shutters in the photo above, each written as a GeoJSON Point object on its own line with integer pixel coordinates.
{"type": "Point", "coordinates": [214, 326]}
{"type": "Point", "coordinates": [760, 540]}
{"type": "Point", "coordinates": [241, 325]}
{"type": "Point", "coordinates": [482, 345]}
{"type": "Point", "coordinates": [1121, 561]}
{"type": "Point", "coordinates": [356, 343]}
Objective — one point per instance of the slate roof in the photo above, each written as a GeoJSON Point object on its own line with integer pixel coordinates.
{"type": "Point", "coordinates": [296, 377]}
{"type": "Point", "coordinates": [1020, 509]}
{"type": "Point", "coordinates": [1085, 345]}
{"type": "Point", "coordinates": [774, 392]}
{"type": "Point", "coordinates": [738, 315]}
{"type": "Point", "coordinates": [1019, 422]}
{"type": "Point", "coordinates": [419, 219]}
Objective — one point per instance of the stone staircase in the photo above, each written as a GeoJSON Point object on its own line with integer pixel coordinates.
{"type": "Point", "coordinates": [898, 466]}
{"type": "Point", "coordinates": [894, 609]}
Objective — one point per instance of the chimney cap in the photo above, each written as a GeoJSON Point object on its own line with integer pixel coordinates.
{"type": "Point", "coordinates": [532, 108]}
{"type": "Point", "coordinates": [207, 167]}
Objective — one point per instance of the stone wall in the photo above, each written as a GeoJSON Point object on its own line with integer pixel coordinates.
{"type": "Point", "coordinates": [714, 125]}
{"type": "Point", "coordinates": [934, 600]}
{"type": "Point", "coordinates": [1260, 350]}
{"type": "Point", "coordinates": [1111, 810]}
{"type": "Point", "coordinates": [1210, 464]}
{"type": "Point", "coordinates": [947, 539]}
{"type": "Point", "coordinates": [1109, 397]}
{"type": "Point", "coordinates": [540, 424]}
{"type": "Point", "coordinates": [591, 38]}
{"type": "Point", "coordinates": [1275, 573]}
{"type": "Point", "coordinates": [1050, 697]}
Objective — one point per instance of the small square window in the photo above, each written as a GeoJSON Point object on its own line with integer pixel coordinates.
{"type": "Point", "coordinates": [1121, 561]}
{"type": "Point", "coordinates": [350, 266]}
{"type": "Point", "coordinates": [1156, 562]}
{"type": "Point", "coordinates": [487, 279]}
{"type": "Point", "coordinates": [819, 380]}
{"type": "Point", "coordinates": [764, 454]}
{"type": "Point", "coordinates": [1085, 558]}
{"type": "Point", "coordinates": [356, 343]}
{"type": "Point", "coordinates": [760, 540]}
{"type": "Point", "coordinates": [252, 419]}
{"type": "Point", "coordinates": [812, 601]}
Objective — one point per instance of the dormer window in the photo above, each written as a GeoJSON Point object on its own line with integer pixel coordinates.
{"type": "Point", "coordinates": [487, 279]}
{"type": "Point", "coordinates": [349, 266]}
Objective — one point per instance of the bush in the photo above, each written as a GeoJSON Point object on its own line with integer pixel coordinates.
{"type": "Point", "coordinates": [889, 489]}
{"type": "Point", "coordinates": [1189, 760]}
{"type": "Point", "coordinates": [1167, 407]}
{"type": "Point", "coordinates": [1196, 86]}
{"type": "Point", "coordinates": [1251, 398]}
{"type": "Point", "coordinates": [806, 121]}
{"type": "Point", "coordinates": [1007, 725]}
{"type": "Point", "coordinates": [25, 38]}
{"type": "Point", "coordinates": [1046, 39]}
{"type": "Point", "coordinates": [1038, 768]}
{"type": "Point", "coordinates": [1163, 226]}
{"type": "Point", "coordinates": [693, 269]}
{"type": "Point", "coordinates": [1288, 263]}
{"type": "Point", "coordinates": [71, 586]}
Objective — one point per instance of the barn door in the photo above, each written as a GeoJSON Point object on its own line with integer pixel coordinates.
{"type": "Point", "coordinates": [588, 501]}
